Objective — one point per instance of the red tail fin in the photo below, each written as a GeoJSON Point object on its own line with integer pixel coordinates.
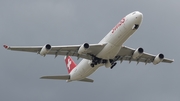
{"type": "Point", "coordinates": [70, 64]}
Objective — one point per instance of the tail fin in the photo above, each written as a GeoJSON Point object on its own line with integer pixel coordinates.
{"type": "Point", "coordinates": [70, 64]}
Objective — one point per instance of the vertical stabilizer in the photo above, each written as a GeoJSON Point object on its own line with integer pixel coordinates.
{"type": "Point", "coordinates": [70, 64]}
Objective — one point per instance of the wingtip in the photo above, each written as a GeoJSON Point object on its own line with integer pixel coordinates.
{"type": "Point", "coordinates": [41, 78]}
{"type": "Point", "coordinates": [6, 46]}
{"type": "Point", "coordinates": [171, 61]}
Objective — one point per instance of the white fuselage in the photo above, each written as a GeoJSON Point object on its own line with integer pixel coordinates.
{"type": "Point", "coordinates": [114, 40]}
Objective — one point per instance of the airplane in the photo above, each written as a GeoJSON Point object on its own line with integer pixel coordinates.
{"type": "Point", "coordinates": [105, 53]}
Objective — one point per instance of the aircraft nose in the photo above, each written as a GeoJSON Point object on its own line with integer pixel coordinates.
{"type": "Point", "coordinates": [139, 15]}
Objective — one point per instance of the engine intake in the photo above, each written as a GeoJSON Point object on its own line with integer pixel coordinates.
{"type": "Point", "coordinates": [46, 48]}
{"type": "Point", "coordinates": [137, 53]}
{"type": "Point", "coordinates": [83, 48]}
{"type": "Point", "coordinates": [158, 59]}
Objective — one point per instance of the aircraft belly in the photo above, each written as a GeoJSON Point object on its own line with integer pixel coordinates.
{"type": "Point", "coordinates": [109, 51]}
{"type": "Point", "coordinates": [83, 70]}
{"type": "Point", "coordinates": [123, 37]}
{"type": "Point", "coordinates": [115, 41]}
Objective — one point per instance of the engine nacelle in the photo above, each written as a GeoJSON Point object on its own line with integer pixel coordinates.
{"type": "Point", "coordinates": [137, 53]}
{"type": "Point", "coordinates": [83, 48]}
{"type": "Point", "coordinates": [108, 64]}
{"type": "Point", "coordinates": [158, 59]}
{"type": "Point", "coordinates": [46, 48]}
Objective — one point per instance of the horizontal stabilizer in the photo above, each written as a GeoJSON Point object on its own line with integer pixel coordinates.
{"type": "Point", "coordinates": [87, 80]}
{"type": "Point", "coordinates": [61, 77]}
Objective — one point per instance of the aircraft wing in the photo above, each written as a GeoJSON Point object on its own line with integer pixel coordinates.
{"type": "Point", "coordinates": [126, 54]}
{"type": "Point", "coordinates": [70, 50]}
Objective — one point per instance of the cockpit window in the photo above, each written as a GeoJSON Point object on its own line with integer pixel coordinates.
{"type": "Point", "coordinates": [133, 13]}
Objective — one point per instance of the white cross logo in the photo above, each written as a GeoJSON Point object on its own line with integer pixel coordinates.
{"type": "Point", "coordinates": [69, 64]}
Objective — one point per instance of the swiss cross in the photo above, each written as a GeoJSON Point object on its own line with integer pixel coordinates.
{"type": "Point", "coordinates": [69, 64]}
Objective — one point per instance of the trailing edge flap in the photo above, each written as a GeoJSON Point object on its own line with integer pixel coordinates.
{"type": "Point", "coordinates": [61, 77]}
{"type": "Point", "coordinates": [87, 80]}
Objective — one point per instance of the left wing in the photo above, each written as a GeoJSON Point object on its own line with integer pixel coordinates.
{"type": "Point", "coordinates": [80, 51]}
{"type": "Point", "coordinates": [130, 54]}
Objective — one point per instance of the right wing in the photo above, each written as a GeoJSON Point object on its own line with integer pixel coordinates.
{"type": "Point", "coordinates": [126, 53]}
{"type": "Point", "coordinates": [70, 50]}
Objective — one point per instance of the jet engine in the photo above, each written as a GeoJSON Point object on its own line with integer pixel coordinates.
{"type": "Point", "coordinates": [137, 53]}
{"type": "Point", "coordinates": [46, 48]}
{"type": "Point", "coordinates": [83, 48]}
{"type": "Point", "coordinates": [108, 64]}
{"type": "Point", "coordinates": [158, 59]}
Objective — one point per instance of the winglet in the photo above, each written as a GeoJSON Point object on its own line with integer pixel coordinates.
{"type": "Point", "coordinates": [5, 46]}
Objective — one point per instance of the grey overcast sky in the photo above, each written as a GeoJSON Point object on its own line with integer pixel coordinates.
{"type": "Point", "coordinates": [64, 22]}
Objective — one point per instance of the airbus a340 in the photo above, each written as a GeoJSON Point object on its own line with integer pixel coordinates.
{"type": "Point", "coordinates": [105, 53]}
